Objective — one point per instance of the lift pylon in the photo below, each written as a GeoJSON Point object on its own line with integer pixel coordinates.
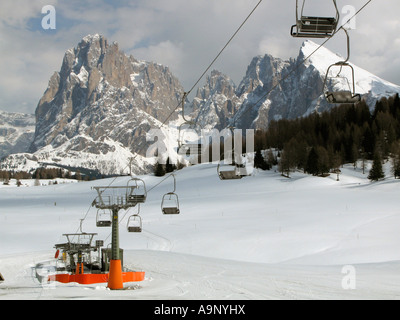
{"type": "Point", "coordinates": [116, 199]}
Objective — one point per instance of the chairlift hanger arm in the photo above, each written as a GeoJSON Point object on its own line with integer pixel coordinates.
{"type": "Point", "coordinates": [173, 176]}
{"type": "Point", "coordinates": [185, 94]}
{"type": "Point", "coordinates": [302, 8]}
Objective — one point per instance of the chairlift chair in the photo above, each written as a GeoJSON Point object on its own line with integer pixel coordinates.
{"type": "Point", "coordinates": [170, 201]}
{"type": "Point", "coordinates": [342, 96]}
{"type": "Point", "coordinates": [103, 219]}
{"type": "Point", "coordinates": [170, 204]}
{"type": "Point", "coordinates": [314, 27]}
{"type": "Point", "coordinates": [134, 224]}
{"type": "Point", "coordinates": [230, 171]}
{"type": "Point", "coordinates": [137, 192]}
{"type": "Point", "coordinates": [188, 147]}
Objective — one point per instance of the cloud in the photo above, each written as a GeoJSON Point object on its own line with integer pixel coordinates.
{"type": "Point", "coordinates": [184, 35]}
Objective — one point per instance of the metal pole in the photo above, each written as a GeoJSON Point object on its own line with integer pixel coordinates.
{"type": "Point", "coordinates": [115, 235]}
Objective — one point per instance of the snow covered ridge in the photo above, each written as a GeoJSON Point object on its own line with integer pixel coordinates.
{"type": "Point", "coordinates": [300, 94]}
{"type": "Point", "coordinates": [98, 109]}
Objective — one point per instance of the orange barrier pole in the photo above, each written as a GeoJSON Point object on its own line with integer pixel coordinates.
{"type": "Point", "coordinates": [115, 276]}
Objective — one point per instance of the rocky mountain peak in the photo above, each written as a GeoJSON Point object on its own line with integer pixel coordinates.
{"type": "Point", "coordinates": [102, 98]}
{"type": "Point", "coordinates": [99, 107]}
{"type": "Point", "coordinates": [216, 102]}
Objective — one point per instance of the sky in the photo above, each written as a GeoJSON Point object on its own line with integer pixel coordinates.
{"type": "Point", "coordinates": [181, 34]}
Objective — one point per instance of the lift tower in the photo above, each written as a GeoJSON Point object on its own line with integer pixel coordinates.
{"type": "Point", "coordinates": [116, 199]}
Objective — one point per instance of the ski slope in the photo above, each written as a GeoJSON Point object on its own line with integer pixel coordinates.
{"type": "Point", "coordinates": [262, 237]}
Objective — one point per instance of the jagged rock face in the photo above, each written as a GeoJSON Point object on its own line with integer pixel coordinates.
{"type": "Point", "coordinates": [248, 106]}
{"type": "Point", "coordinates": [102, 94]}
{"type": "Point", "coordinates": [97, 110]}
{"type": "Point", "coordinates": [274, 89]}
{"type": "Point", "coordinates": [16, 132]}
{"type": "Point", "coordinates": [216, 102]}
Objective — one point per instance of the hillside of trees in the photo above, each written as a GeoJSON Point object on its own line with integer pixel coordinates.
{"type": "Point", "coordinates": [321, 143]}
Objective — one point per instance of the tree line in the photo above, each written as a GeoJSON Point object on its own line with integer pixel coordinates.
{"type": "Point", "coordinates": [322, 142]}
{"type": "Point", "coordinates": [42, 173]}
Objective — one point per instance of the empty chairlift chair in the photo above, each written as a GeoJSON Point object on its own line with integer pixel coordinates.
{"type": "Point", "coordinates": [345, 75]}
{"type": "Point", "coordinates": [170, 201]}
{"type": "Point", "coordinates": [134, 224]}
{"type": "Point", "coordinates": [230, 170]}
{"type": "Point", "coordinates": [136, 191]}
{"type": "Point", "coordinates": [189, 139]}
{"type": "Point", "coordinates": [312, 26]}
{"type": "Point", "coordinates": [170, 204]}
{"type": "Point", "coordinates": [103, 219]}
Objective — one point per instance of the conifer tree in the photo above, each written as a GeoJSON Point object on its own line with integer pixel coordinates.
{"type": "Point", "coordinates": [396, 161]}
{"type": "Point", "coordinates": [159, 169]}
{"type": "Point", "coordinates": [312, 162]}
{"type": "Point", "coordinates": [259, 161]}
{"type": "Point", "coordinates": [376, 172]}
{"type": "Point", "coordinates": [169, 167]}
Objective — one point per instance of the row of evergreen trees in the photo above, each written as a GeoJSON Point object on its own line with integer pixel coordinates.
{"type": "Point", "coordinates": [323, 142]}
{"type": "Point", "coordinates": [42, 173]}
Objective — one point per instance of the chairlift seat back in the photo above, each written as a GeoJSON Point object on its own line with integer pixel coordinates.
{"type": "Point", "coordinates": [104, 223]}
{"type": "Point", "coordinates": [136, 198]}
{"type": "Point", "coordinates": [314, 27]}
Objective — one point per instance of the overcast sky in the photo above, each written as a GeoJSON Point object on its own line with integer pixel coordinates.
{"type": "Point", "coordinates": [184, 35]}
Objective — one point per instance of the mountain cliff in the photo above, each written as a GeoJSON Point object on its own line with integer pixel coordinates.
{"type": "Point", "coordinates": [101, 104]}
{"type": "Point", "coordinates": [98, 108]}
{"type": "Point", "coordinates": [274, 89]}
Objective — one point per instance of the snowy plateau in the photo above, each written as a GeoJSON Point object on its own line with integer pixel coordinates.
{"type": "Point", "coordinates": [259, 238]}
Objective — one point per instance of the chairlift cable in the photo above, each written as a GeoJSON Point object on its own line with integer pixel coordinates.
{"type": "Point", "coordinates": [226, 45]}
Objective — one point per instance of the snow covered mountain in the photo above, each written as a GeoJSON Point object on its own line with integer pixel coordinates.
{"type": "Point", "coordinates": [98, 108]}
{"type": "Point", "coordinates": [16, 132]}
{"type": "Point", "coordinates": [295, 87]}
{"type": "Point", "coordinates": [216, 102]}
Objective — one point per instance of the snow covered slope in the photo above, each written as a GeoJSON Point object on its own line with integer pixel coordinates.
{"type": "Point", "coordinates": [262, 237]}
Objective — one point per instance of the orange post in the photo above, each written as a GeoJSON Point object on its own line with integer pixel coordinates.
{"type": "Point", "coordinates": [115, 281]}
